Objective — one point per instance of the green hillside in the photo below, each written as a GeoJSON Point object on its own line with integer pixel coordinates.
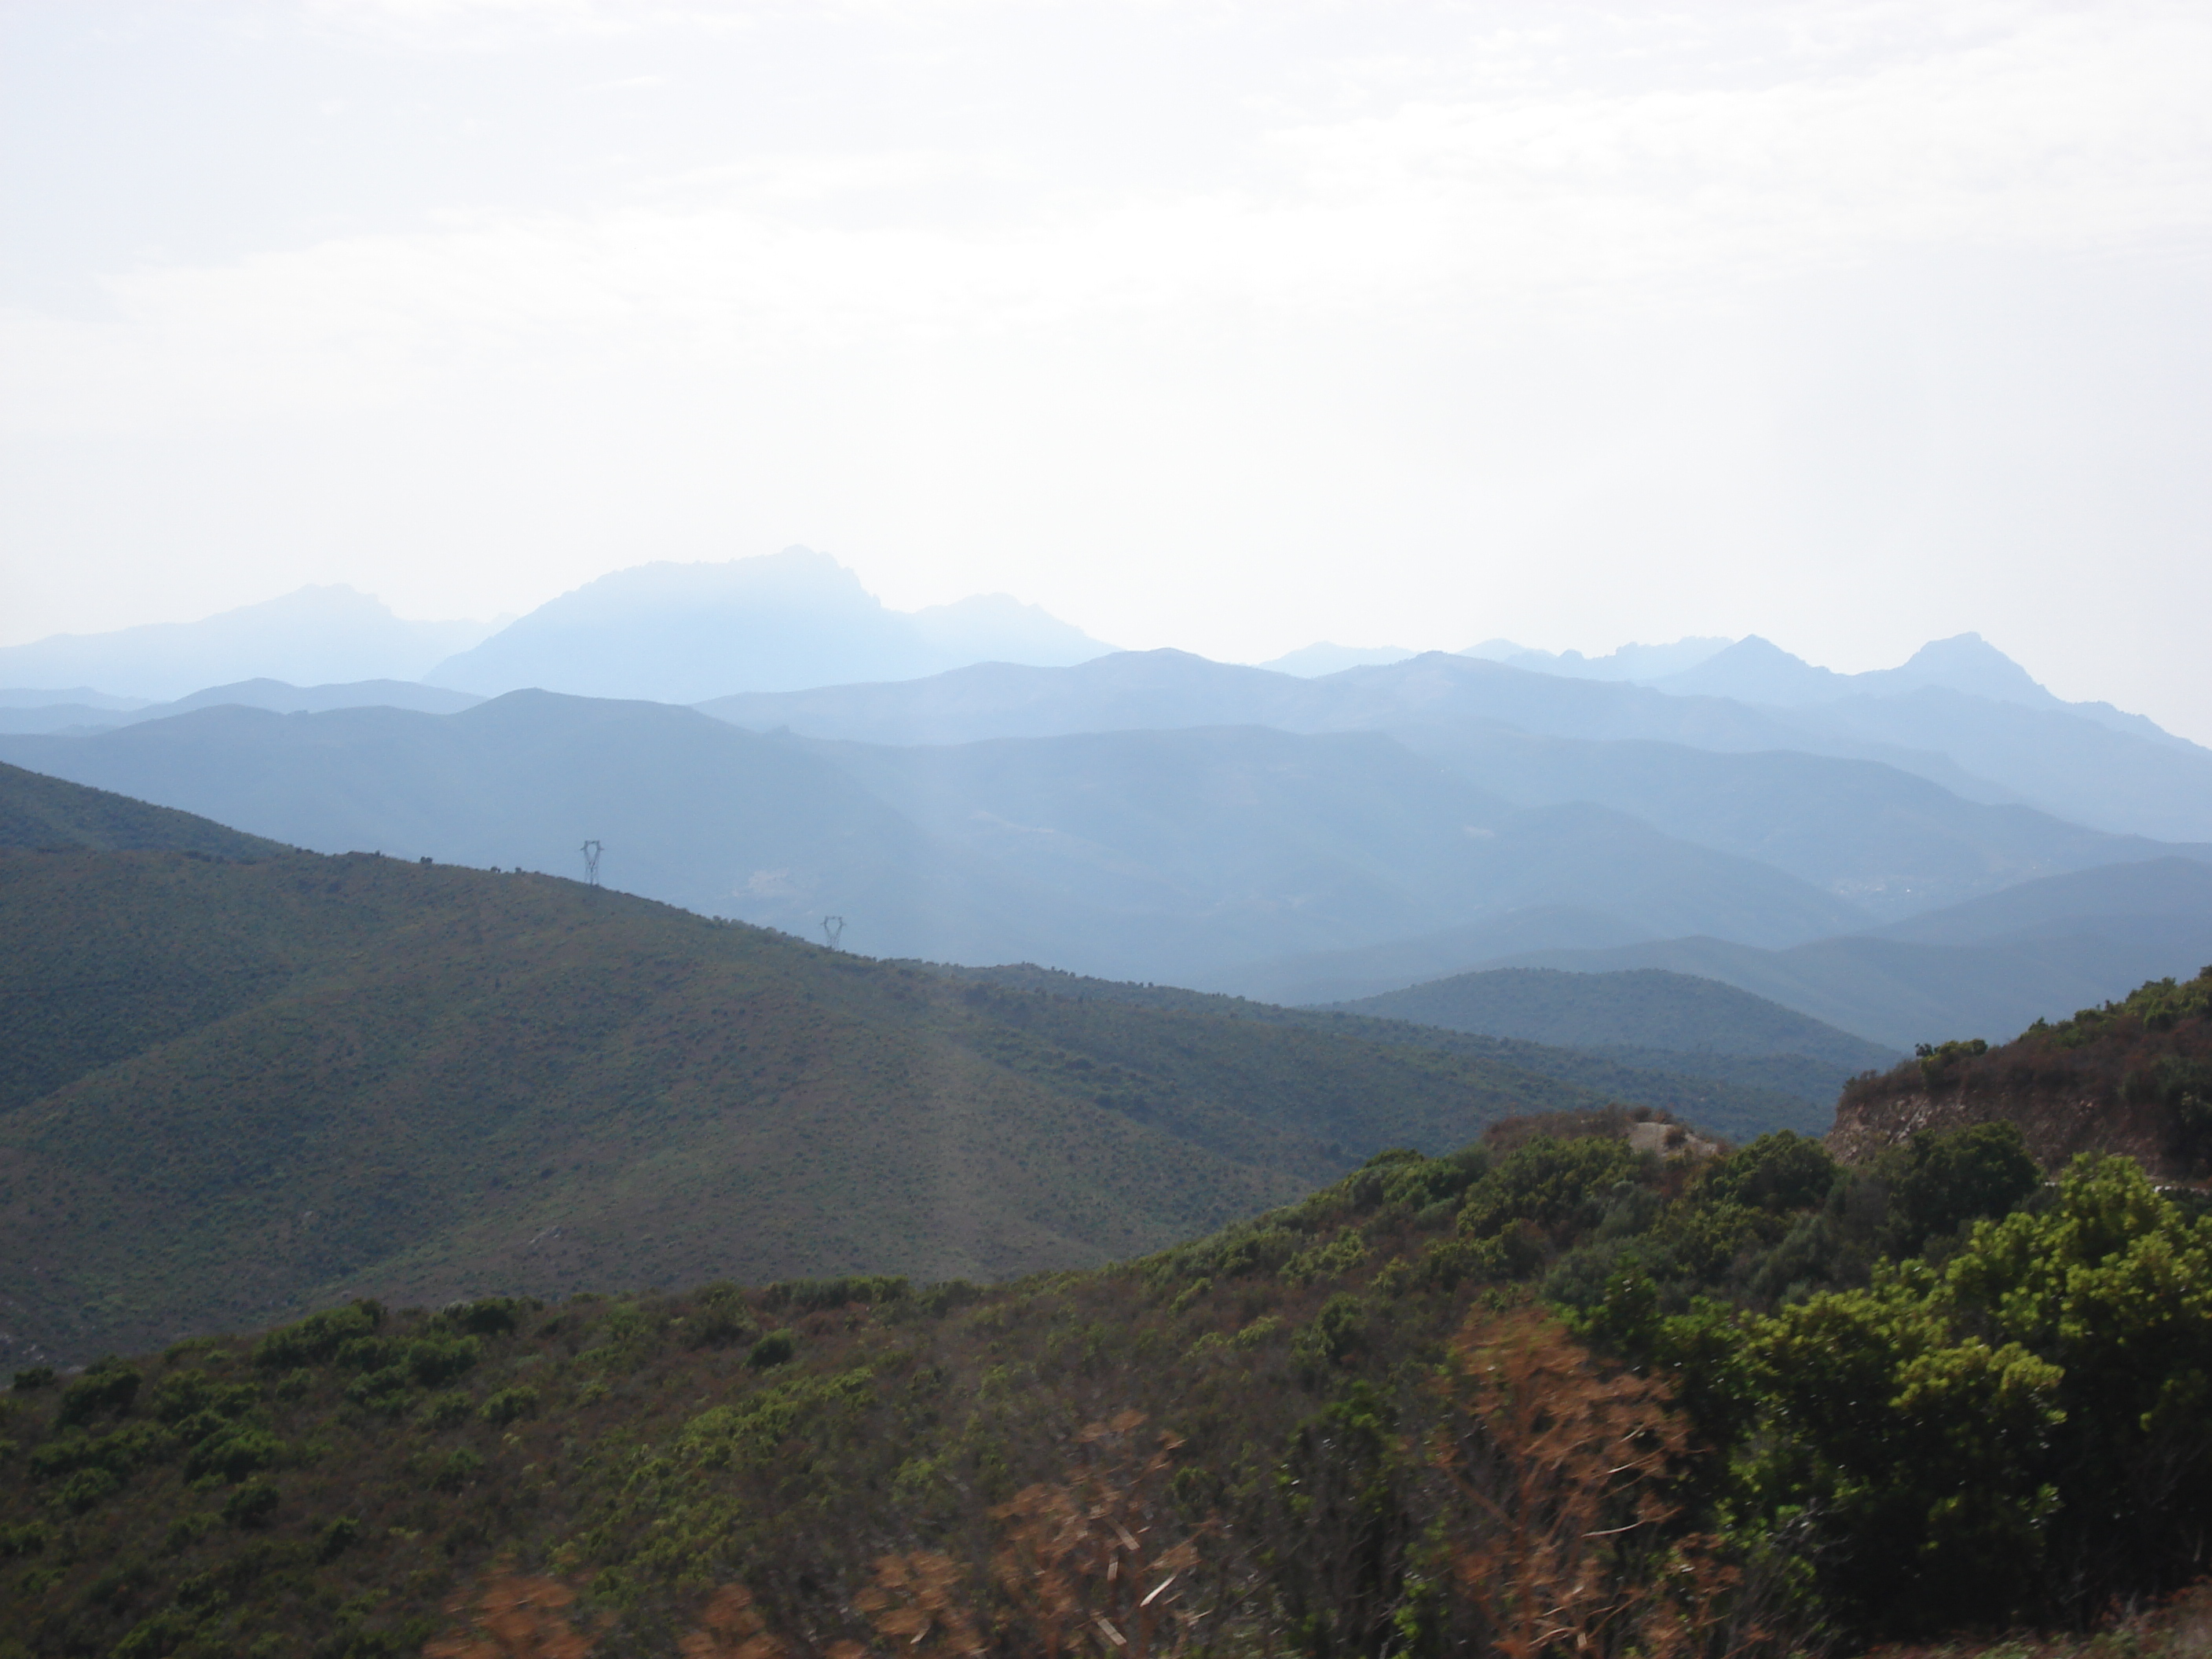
{"type": "Point", "coordinates": [1646, 1008]}
{"type": "Point", "coordinates": [1556, 1393]}
{"type": "Point", "coordinates": [235, 1090]}
{"type": "Point", "coordinates": [37, 811]}
{"type": "Point", "coordinates": [1738, 1096]}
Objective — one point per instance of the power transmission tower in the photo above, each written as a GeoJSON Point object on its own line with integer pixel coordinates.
{"type": "Point", "coordinates": [592, 863]}
{"type": "Point", "coordinates": [833, 929]}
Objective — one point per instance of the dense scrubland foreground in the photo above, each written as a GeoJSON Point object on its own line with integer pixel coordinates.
{"type": "Point", "coordinates": [1580, 1388]}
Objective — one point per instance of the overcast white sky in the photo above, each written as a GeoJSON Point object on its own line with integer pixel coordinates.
{"type": "Point", "coordinates": [1216, 324]}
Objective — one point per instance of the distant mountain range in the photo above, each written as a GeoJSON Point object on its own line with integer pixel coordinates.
{"type": "Point", "coordinates": [683, 633]}
{"type": "Point", "coordinates": [746, 637]}
{"type": "Point", "coordinates": [1639, 663]}
{"type": "Point", "coordinates": [1164, 855]}
{"type": "Point", "coordinates": [276, 695]}
{"type": "Point", "coordinates": [673, 633]}
{"type": "Point", "coordinates": [313, 636]}
{"type": "Point", "coordinates": [1292, 866]}
{"type": "Point", "coordinates": [1322, 657]}
{"type": "Point", "coordinates": [1303, 832]}
{"type": "Point", "coordinates": [2082, 769]}
{"type": "Point", "coordinates": [1987, 969]}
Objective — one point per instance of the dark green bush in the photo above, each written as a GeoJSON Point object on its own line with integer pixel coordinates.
{"type": "Point", "coordinates": [386, 1391]}
{"type": "Point", "coordinates": [722, 1317]}
{"type": "Point", "coordinates": [98, 1391]}
{"type": "Point", "coordinates": [776, 1348]}
{"type": "Point", "coordinates": [432, 1360]}
{"type": "Point", "coordinates": [370, 1354]}
{"type": "Point", "coordinates": [87, 1488]}
{"type": "Point", "coordinates": [1777, 1172]}
{"type": "Point", "coordinates": [166, 1633]}
{"type": "Point", "coordinates": [250, 1505]}
{"type": "Point", "coordinates": [510, 1403]}
{"type": "Point", "coordinates": [807, 1295]}
{"type": "Point", "coordinates": [461, 1466]}
{"type": "Point", "coordinates": [187, 1530]}
{"type": "Point", "coordinates": [1938, 1181]}
{"type": "Point", "coordinates": [235, 1455]}
{"type": "Point", "coordinates": [718, 1327]}
{"type": "Point", "coordinates": [36, 1377]}
{"type": "Point", "coordinates": [318, 1336]}
{"type": "Point", "coordinates": [492, 1315]}
{"type": "Point", "coordinates": [1332, 1334]}
{"type": "Point", "coordinates": [1544, 1182]}
{"type": "Point", "coordinates": [119, 1452]}
{"type": "Point", "coordinates": [2184, 1086]}
{"type": "Point", "coordinates": [189, 1394]}
{"type": "Point", "coordinates": [1939, 1062]}
{"type": "Point", "coordinates": [1368, 1186]}
{"type": "Point", "coordinates": [443, 1411]}
{"type": "Point", "coordinates": [337, 1538]}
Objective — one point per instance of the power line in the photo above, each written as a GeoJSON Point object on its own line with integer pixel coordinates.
{"type": "Point", "coordinates": [833, 929]}
{"type": "Point", "coordinates": [591, 850]}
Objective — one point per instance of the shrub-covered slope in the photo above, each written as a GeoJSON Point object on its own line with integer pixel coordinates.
{"type": "Point", "coordinates": [37, 811]}
{"type": "Point", "coordinates": [2133, 1076]}
{"type": "Point", "coordinates": [231, 1090]}
{"type": "Point", "coordinates": [1641, 1008]}
{"type": "Point", "coordinates": [1647, 1017]}
{"type": "Point", "coordinates": [1553, 1394]}
{"type": "Point", "coordinates": [1741, 1097]}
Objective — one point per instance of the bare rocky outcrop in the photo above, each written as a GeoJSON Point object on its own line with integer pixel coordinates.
{"type": "Point", "coordinates": [2132, 1078]}
{"type": "Point", "coordinates": [2056, 1124]}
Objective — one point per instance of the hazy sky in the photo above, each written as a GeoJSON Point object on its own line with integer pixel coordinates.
{"type": "Point", "coordinates": [1223, 326]}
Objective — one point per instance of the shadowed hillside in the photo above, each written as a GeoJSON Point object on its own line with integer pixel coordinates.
{"type": "Point", "coordinates": [1738, 1096]}
{"type": "Point", "coordinates": [37, 811]}
{"type": "Point", "coordinates": [1643, 1008]}
{"type": "Point", "coordinates": [1644, 1016]}
{"type": "Point", "coordinates": [240, 1087]}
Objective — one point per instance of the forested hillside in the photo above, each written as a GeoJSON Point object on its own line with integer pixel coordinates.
{"type": "Point", "coordinates": [233, 1089]}
{"type": "Point", "coordinates": [1741, 1097]}
{"type": "Point", "coordinates": [1643, 1008]}
{"type": "Point", "coordinates": [1647, 1017]}
{"type": "Point", "coordinates": [1573, 1390]}
{"type": "Point", "coordinates": [37, 811]}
